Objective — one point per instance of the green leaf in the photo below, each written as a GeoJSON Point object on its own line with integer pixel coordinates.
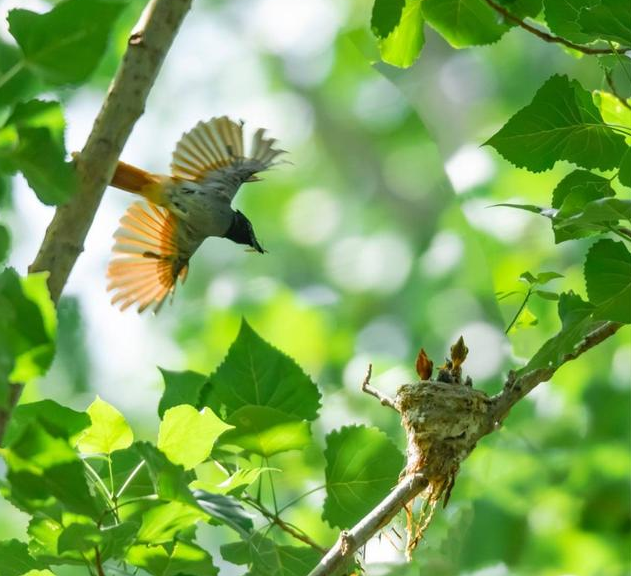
{"type": "Point", "coordinates": [526, 319]}
{"type": "Point", "coordinates": [599, 215]}
{"type": "Point", "coordinates": [66, 44]}
{"type": "Point", "coordinates": [163, 522]}
{"type": "Point", "coordinates": [33, 139]}
{"type": "Point", "coordinates": [5, 243]}
{"type": "Point", "coordinates": [362, 466]}
{"type": "Point", "coordinates": [83, 538]}
{"type": "Point", "coordinates": [16, 81]}
{"type": "Point", "coordinates": [562, 17]}
{"type": "Point", "coordinates": [386, 15]}
{"type": "Point", "coordinates": [180, 388]}
{"type": "Point", "coordinates": [28, 328]}
{"type": "Point", "coordinates": [561, 123]}
{"type": "Point", "coordinates": [234, 485]}
{"type": "Point", "coordinates": [464, 22]}
{"type": "Point", "coordinates": [181, 558]}
{"type": "Point", "coordinates": [577, 188]}
{"type": "Point", "coordinates": [265, 557]}
{"type": "Point", "coordinates": [59, 421]}
{"type": "Point", "coordinates": [576, 323]}
{"type": "Point", "coordinates": [15, 559]}
{"type": "Point", "coordinates": [545, 277]}
{"type": "Point", "coordinates": [170, 481]}
{"type": "Point", "coordinates": [546, 295]}
{"type": "Point", "coordinates": [528, 277]}
{"type": "Point", "coordinates": [608, 280]}
{"type": "Point", "coordinates": [612, 110]}
{"type": "Point", "coordinates": [225, 509]}
{"type": "Point", "coordinates": [256, 373]}
{"type": "Point", "coordinates": [187, 436]}
{"type": "Point", "coordinates": [473, 22]}
{"type": "Point", "coordinates": [609, 20]}
{"type": "Point", "coordinates": [403, 45]}
{"type": "Point", "coordinates": [109, 430]}
{"type": "Point", "coordinates": [266, 431]}
{"type": "Point", "coordinates": [624, 175]}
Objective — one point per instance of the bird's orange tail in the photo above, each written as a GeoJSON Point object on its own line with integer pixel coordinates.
{"type": "Point", "coordinates": [132, 179]}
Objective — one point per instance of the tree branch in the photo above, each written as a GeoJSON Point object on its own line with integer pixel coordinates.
{"type": "Point", "coordinates": [278, 521]}
{"type": "Point", "coordinates": [546, 37]}
{"type": "Point", "coordinates": [383, 398]}
{"type": "Point", "coordinates": [124, 104]}
{"type": "Point", "coordinates": [350, 541]}
{"type": "Point", "coordinates": [515, 388]}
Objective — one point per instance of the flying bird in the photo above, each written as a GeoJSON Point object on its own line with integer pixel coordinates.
{"type": "Point", "coordinates": [156, 238]}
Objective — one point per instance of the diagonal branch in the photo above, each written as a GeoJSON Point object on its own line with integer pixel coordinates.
{"type": "Point", "coordinates": [515, 388]}
{"type": "Point", "coordinates": [547, 37]}
{"type": "Point", "coordinates": [124, 104]}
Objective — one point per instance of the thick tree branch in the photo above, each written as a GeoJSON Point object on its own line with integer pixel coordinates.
{"type": "Point", "coordinates": [124, 104]}
{"type": "Point", "coordinates": [515, 388]}
{"type": "Point", "coordinates": [351, 540]}
{"type": "Point", "coordinates": [547, 37]}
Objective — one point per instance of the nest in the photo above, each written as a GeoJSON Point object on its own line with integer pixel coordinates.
{"type": "Point", "coordinates": [443, 419]}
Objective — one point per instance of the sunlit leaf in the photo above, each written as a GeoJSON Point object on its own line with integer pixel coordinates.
{"type": "Point", "coordinates": [362, 465]}
{"type": "Point", "coordinates": [180, 558]}
{"type": "Point", "coordinates": [608, 280]}
{"type": "Point", "coordinates": [108, 432]}
{"type": "Point", "coordinates": [526, 319]}
{"type": "Point", "coordinates": [180, 388]}
{"type": "Point", "coordinates": [402, 46]}
{"type": "Point", "coordinates": [161, 523]}
{"type": "Point", "coordinates": [613, 111]}
{"type": "Point", "coordinates": [170, 481]}
{"type": "Point", "coordinates": [18, 82]}
{"type": "Point", "coordinates": [65, 44]}
{"type": "Point", "coordinates": [546, 294]}
{"type": "Point", "coordinates": [187, 435]}
{"type": "Point", "coordinates": [561, 123]}
{"type": "Point", "coordinates": [266, 431]}
{"type": "Point", "coordinates": [83, 538]}
{"type": "Point", "coordinates": [255, 373]}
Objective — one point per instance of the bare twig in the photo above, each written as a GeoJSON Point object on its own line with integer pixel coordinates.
{"type": "Point", "coordinates": [515, 388]}
{"type": "Point", "coordinates": [383, 398]}
{"type": "Point", "coordinates": [123, 105]}
{"type": "Point", "coordinates": [278, 521]}
{"type": "Point", "coordinates": [547, 37]}
{"type": "Point", "coordinates": [351, 540]}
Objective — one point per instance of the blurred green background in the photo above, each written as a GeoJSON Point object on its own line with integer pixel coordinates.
{"type": "Point", "coordinates": [381, 240]}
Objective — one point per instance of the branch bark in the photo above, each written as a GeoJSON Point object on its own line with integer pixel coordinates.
{"type": "Point", "coordinates": [350, 541]}
{"type": "Point", "coordinates": [123, 105]}
{"type": "Point", "coordinates": [515, 388]}
{"type": "Point", "coordinates": [546, 37]}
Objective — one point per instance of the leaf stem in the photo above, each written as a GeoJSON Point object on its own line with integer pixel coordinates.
{"type": "Point", "coordinates": [98, 481]}
{"type": "Point", "coordinates": [129, 479]}
{"type": "Point", "coordinates": [521, 308]}
{"type": "Point", "coordinates": [547, 37]}
{"type": "Point", "coordinates": [295, 500]}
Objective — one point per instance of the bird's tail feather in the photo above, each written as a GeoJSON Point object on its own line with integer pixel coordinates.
{"type": "Point", "coordinates": [132, 179]}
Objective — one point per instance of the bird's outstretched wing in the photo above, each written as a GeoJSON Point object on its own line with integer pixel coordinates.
{"type": "Point", "coordinates": [215, 148]}
{"type": "Point", "coordinates": [147, 260]}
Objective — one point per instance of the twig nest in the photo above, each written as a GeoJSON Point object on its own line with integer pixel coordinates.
{"type": "Point", "coordinates": [442, 422]}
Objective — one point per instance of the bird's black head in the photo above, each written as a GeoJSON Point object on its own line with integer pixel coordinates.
{"type": "Point", "coordinates": [241, 232]}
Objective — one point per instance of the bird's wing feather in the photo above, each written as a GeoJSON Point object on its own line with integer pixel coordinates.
{"type": "Point", "coordinates": [148, 260]}
{"type": "Point", "coordinates": [214, 149]}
